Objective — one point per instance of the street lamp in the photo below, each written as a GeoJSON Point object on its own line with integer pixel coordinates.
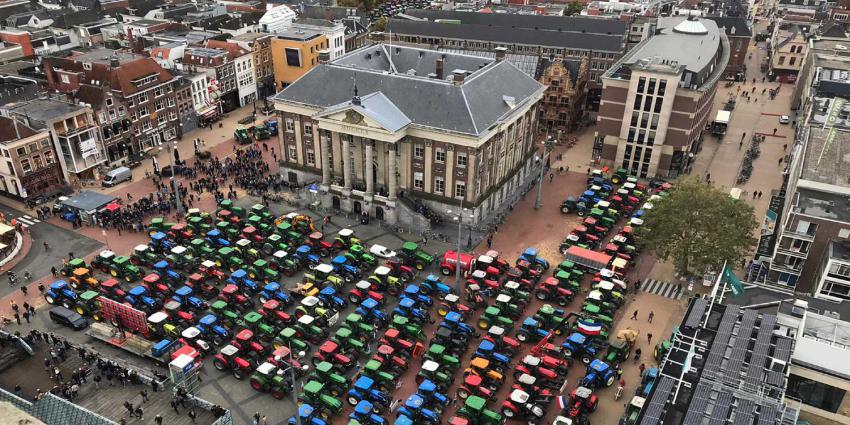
{"type": "Point", "coordinates": [459, 218]}
{"type": "Point", "coordinates": [170, 149]}
{"type": "Point", "coordinates": [294, 386]}
{"type": "Point", "coordinates": [547, 147]}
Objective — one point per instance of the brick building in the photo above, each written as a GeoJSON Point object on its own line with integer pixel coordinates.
{"type": "Point", "coordinates": [563, 103]}
{"type": "Point", "coordinates": [739, 34]}
{"type": "Point", "coordinates": [30, 167]}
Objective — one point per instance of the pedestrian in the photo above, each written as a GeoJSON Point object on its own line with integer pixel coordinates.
{"type": "Point", "coordinates": [740, 144]}
{"type": "Point", "coordinates": [759, 194]}
{"type": "Point", "coordinates": [97, 382]}
{"type": "Point", "coordinates": [637, 354]}
{"type": "Point", "coordinates": [32, 311]}
{"type": "Point", "coordinates": [551, 177]}
{"type": "Point", "coordinates": [637, 285]}
{"type": "Point", "coordinates": [774, 131]}
{"type": "Point", "coordinates": [158, 419]}
{"type": "Point", "coordinates": [780, 161]}
{"type": "Point", "coordinates": [192, 416]}
{"type": "Point", "coordinates": [27, 316]}
{"type": "Point", "coordinates": [649, 338]}
{"type": "Point", "coordinates": [642, 368]}
{"type": "Point", "coordinates": [129, 407]}
{"type": "Point", "coordinates": [634, 315]}
{"type": "Point", "coordinates": [14, 305]}
{"type": "Point", "coordinates": [755, 194]}
{"type": "Point", "coordinates": [144, 394]}
{"type": "Point", "coordinates": [264, 421]}
{"type": "Point", "coordinates": [489, 242]}
{"type": "Point", "coordinates": [174, 406]}
{"type": "Point", "coordinates": [18, 318]}
{"type": "Point", "coordinates": [785, 147]}
{"type": "Point", "coordinates": [53, 271]}
{"type": "Point", "coordinates": [140, 412]}
{"type": "Point", "coordinates": [257, 417]}
{"type": "Point", "coordinates": [24, 289]}
{"type": "Point", "coordinates": [651, 315]}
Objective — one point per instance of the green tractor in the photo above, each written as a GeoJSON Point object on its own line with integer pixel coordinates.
{"type": "Point", "coordinates": [289, 337]}
{"type": "Point", "coordinates": [476, 413]}
{"type": "Point", "coordinates": [313, 394]}
{"type": "Point", "coordinates": [335, 384]}
{"type": "Point", "coordinates": [123, 268]}
{"type": "Point", "coordinates": [261, 270]}
{"type": "Point", "coordinates": [261, 132]}
{"type": "Point", "coordinates": [88, 304]}
{"type": "Point", "coordinates": [69, 267]}
{"type": "Point", "coordinates": [415, 257]}
{"type": "Point", "coordinates": [358, 328]}
{"type": "Point", "coordinates": [267, 379]}
{"type": "Point", "coordinates": [201, 248]}
{"type": "Point", "coordinates": [241, 136]}
{"type": "Point", "coordinates": [633, 410]}
{"type": "Point", "coordinates": [407, 330]}
{"type": "Point", "coordinates": [359, 255]}
{"type": "Point", "coordinates": [493, 316]}
{"type": "Point", "coordinates": [620, 176]}
{"type": "Point", "coordinates": [661, 350]}
{"type": "Point", "coordinates": [384, 380]}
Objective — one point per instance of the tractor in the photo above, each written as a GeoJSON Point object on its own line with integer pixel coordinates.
{"type": "Point", "coordinates": [532, 256]}
{"type": "Point", "coordinates": [69, 267]}
{"type": "Point", "coordinates": [661, 350]}
{"type": "Point", "coordinates": [345, 239]}
{"type": "Point", "coordinates": [228, 358]}
{"type": "Point", "coordinates": [432, 371]}
{"type": "Point", "coordinates": [382, 280]}
{"type": "Point", "coordinates": [122, 268]}
{"type": "Point", "coordinates": [335, 384]}
{"type": "Point", "coordinates": [449, 264]}
{"type": "Point", "coordinates": [343, 267]}
{"type": "Point", "coordinates": [599, 374]}
{"type": "Point", "coordinates": [620, 348]}
{"type": "Point", "coordinates": [633, 410]}
{"type": "Point", "coordinates": [523, 405]}
{"type": "Point", "coordinates": [370, 311]}
{"type": "Point", "coordinates": [580, 346]}
{"type": "Point", "coordinates": [582, 402]}
{"type": "Point", "coordinates": [313, 393]}
{"type": "Point", "coordinates": [88, 304]}
{"type": "Point", "coordinates": [103, 261]}
{"type": "Point", "coordinates": [476, 413]}
{"type": "Point", "coordinates": [364, 388]}
{"type": "Point", "coordinates": [365, 413]}
{"type": "Point", "coordinates": [507, 345]}
{"type": "Point", "coordinates": [60, 293]}
{"type": "Point", "coordinates": [407, 307]}
{"type": "Point", "coordinates": [269, 378]}
{"type": "Point", "coordinates": [241, 136]}
{"type": "Point", "coordinates": [451, 304]}
{"type": "Point", "coordinates": [82, 279]}
{"type": "Point", "coordinates": [362, 291]}
{"type": "Point", "coordinates": [411, 255]}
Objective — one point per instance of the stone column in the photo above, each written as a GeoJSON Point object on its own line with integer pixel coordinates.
{"type": "Point", "coordinates": [392, 172]}
{"type": "Point", "coordinates": [346, 161]}
{"type": "Point", "coordinates": [370, 175]}
{"type": "Point", "coordinates": [326, 163]}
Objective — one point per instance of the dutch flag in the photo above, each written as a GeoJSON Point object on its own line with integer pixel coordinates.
{"type": "Point", "coordinates": [562, 402]}
{"type": "Point", "coordinates": [589, 328]}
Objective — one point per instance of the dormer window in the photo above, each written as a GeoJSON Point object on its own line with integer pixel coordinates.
{"type": "Point", "coordinates": [87, 66]}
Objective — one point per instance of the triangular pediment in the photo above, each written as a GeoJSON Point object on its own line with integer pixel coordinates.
{"type": "Point", "coordinates": [371, 111]}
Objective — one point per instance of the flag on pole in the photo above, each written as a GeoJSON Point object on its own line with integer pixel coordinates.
{"type": "Point", "coordinates": [562, 402]}
{"type": "Point", "coordinates": [733, 281]}
{"type": "Point", "coordinates": [589, 328]}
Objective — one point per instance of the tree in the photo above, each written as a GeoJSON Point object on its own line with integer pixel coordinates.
{"type": "Point", "coordinates": [699, 227]}
{"type": "Point", "coordinates": [380, 24]}
{"type": "Point", "coordinates": [573, 8]}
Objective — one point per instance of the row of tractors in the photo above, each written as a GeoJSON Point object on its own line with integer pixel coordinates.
{"type": "Point", "coordinates": [259, 132]}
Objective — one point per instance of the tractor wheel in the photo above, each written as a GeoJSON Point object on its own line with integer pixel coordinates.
{"type": "Point", "coordinates": [96, 317]}
{"type": "Point", "coordinates": [256, 385]}
{"type": "Point", "coordinates": [586, 359]}
{"type": "Point", "coordinates": [278, 394]}
{"type": "Point", "coordinates": [80, 310]}
{"type": "Point", "coordinates": [354, 299]}
{"type": "Point", "coordinates": [462, 393]}
{"type": "Point", "coordinates": [581, 213]}
{"type": "Point", "coordinates": [67, 304]}
{"type": "Point", "coordinates": [443, 310]}
{"type": "Point", "coordinates": [419, 265]}
{"type": "Point", "coordinates": [446, 271]}
{"type": "Point", "coordinates": [483, 324]}
{"type": "Point", "coordinates": [567, 353]}
{"type": "Point", "coordinates": [128, 278]}
{"type": "Point", "coordinates": [114, 273]}
{"type": "Point", "coordinates": [324, 252]}
{"type": "Point", "coordinates": [393, 290]}
{"type": "Point", "coordinates": [522, 337]}
{"type": "Point", "coordinates": [610, 381]}
{"type": "Point", "coordinates": [352, 400]}
{"type": "Point", "coordinates": [627, 355]}
{"type": "Point", "coordinates": [508, 412]}
{"type": "Point", "coordinates": [565, 210]}
{"type": "Point", "coordinates": [542, 295]}
{"type": "Point", "coordinates": [239, 374]}
{"type": "Point", "coordinates": [219, 365]}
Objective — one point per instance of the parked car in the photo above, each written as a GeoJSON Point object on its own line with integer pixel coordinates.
{"type": "Point", "coordinates": [66, 317]}
{"type": "Point", "coordinates": [785, 119]}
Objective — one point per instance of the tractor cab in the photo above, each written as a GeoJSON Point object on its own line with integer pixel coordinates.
{"type": "Point", "coordinates": [192, 336]}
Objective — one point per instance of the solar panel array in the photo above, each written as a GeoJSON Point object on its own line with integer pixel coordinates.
{"type": "Point", "coordinates": [767, 415]}
{"type": "Point", "coordinates": [755, 372]}
{"type": "Point", "coordinates": [724, 332]}
{"type": "Point", "coordinates": [657, 401]}
{"type": "Point", "coordinates": [742, 341]}
{"type": "Point", "coordinates": [783, 349]}
{"type": "Point", "coordinates": [697, 311]}
{"type": "Point", "coordinates": [744, 412]}
{"type": "Point", "coordinates": [721, 409]}
{"type": "Point", "coordinates": [699, 402]}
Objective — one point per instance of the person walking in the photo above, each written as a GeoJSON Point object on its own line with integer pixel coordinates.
{"type": "Point", "coordinates": [651, 315]}
{"type": "Point", "coordinates": [144, 394]}
{"type": "Point", "coordinates": [774, 131]}
{"type": "Point", "coordinates": [158, 419]}
{"type": "Point", "coordinates": [129, 407]}
{"type": "Point", "coordinates": [637, 354]}
{"type": "Point", "coordinates": [18, 318]}
{"type": "Point", "coordinates": [54, 271]}
{"type": "Point", "coordinates": [642, 369]}
{"type": "Point", "coordinates": [192, 415]}
{"type": "Point", "coordinates": [27, 316]}
{"type": "Point", "coordinates": [649, 338]}
{"type": "Point", "coordinates": [24, 289]}
{"type": "Point", "coordinates": [634, 315]}
{"type": "Point", "coordinates": [140, 412]}
{"type": "Point", "coordinates": [174, 406]}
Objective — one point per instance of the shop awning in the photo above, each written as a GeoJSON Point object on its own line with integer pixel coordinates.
{"type": "Point", "coordinates": [3, 246]}
{"type": "Point", "coordinates": [113, 206]}
{"type": "Point", "coordinates": [5, 228]}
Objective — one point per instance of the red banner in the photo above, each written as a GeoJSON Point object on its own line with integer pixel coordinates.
{"type": "Point", "coordinates": [124, 315]}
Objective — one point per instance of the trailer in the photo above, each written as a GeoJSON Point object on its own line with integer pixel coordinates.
{"type": "Point", "coordinates": [160, 352]}
{"type": "Point", "coordinates": [721, 122]}
{"type": "Point", "coordinates": [589, 260]}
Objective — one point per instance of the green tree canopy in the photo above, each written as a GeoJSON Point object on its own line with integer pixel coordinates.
{"type": "Point", "coordinates": [573, 8]}
{"type": "Point", "coordinates": [380, 24]}
{"type": "Point", "coordinates": [699, 227]}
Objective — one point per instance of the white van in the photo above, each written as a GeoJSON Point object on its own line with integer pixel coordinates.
{"type": "Point", "coordinates": [116, 176]}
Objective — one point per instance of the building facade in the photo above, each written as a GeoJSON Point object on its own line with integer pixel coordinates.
{"type": "Point", "coordinates": [739, 34]}
{"type": "Point", "coordinates": [410, 127]}
{"type": "Point", "coordinates": [333, 31]}
{"type": "Point", "coordinates": [260, 46]}
{"type": "Point", "coordinates": [563, 104]}
{"type": "Point", "coordinates": [789, 46]}
{"type": "Point", "coordinates": [29, 168]}
{"type": "Point", "coordinates": [657, 100]}
{"type": "Point", "coordinates": [220, 71]}
{"type": "Point", "coordinates": [132, 97]}
{"type": "Point", "coordinates": [294, 53]}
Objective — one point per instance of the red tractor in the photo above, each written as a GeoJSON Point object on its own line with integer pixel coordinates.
{"type": "Point", "coordinates": [229, 359]}
{"type": "Point", "coordinates": [156, 286]}
{"type": "Point", "coordinates": [448, 265]}
{"type": "Point", "coordinates": [450, 303]}
{"type": "Point", "coordinates": [532, 364]}
{"type": "Point", "coordinates": [330, 352]}
{"type": "Point", "coordinates": [274, 314]}
{"type": "Point", "coordinates": [209, 269]}
{"type": "Point", "coordinates": [364, 289]}
{"type": "Point", "coordinates": [232, 296]}
{"type": "Point", "coordinates": [385, 354]}
{"type": "Point", "coordinates": [319, 245]}
{"type": "Point", "coordinates": [479, 277]}
{"type": "Point", "coordinates": [399, 270]}
{"type": "Point", "coordinates": [582, 402]}
{"type": "Point", "coordinates": [281, 358]}
{"type": "Point", "coordinates": [404, 348]}
{"type": "Point", "coordinates": [244, 341]}
{"type": "Point", "coordinates": [111, 289]}
{"type": "Point", "coordinates": [504, 344]}
{"type": "Point", "coordinates": [198, 283]}
{"type": "Point", "coordinates": [497, 262]}
{"type": "Point", "coordinates": [551, 289]}
{"type": "Point", "coordinates": [474, 385]}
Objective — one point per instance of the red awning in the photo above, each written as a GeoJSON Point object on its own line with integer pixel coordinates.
{"type": "Point", "coordinates": [112, 207]}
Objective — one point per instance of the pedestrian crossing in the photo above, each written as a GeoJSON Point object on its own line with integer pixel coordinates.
{"type": "Point", "coordinates": [665, 289]}
{"type": "Point", "coordinates": [27, 221]}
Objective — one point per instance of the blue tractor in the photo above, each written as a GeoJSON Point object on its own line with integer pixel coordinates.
{"type": "Point", "coordinates": [364, 388]}
{"type": "Point", "coordinates": [304, 256]}
{"type": "Point", "coordinates": [433, 398]}
{"type": "Point", "coordinates": [432, 284]}
{"type": "Point", "coordinates": [454, 323]}
{"type": "Point", "coordinates": [240, 278]}
{"type": "Point", "coordinates": [160, 243]}
{"type": "Point", "coordinates": [531, 255]}
{"type": "Point", "coordinates": [308, 415]}
{"type": "Point", "coordinates": [185, 297]}
{"type": "Point", "coordinates": [599, 374]}
{"type": "Point", "coordinates": [370, 310]}
{"type": "Point", "coordinates": [647, 382]}
{"type": "Point", "coordinates": [498, 361]}
{"type": "Point", "coordinates": [330, 300]}
{"type": "Point", "coordinates": [407, 308]}
{"type": "Point", "coordinates": [273, 291]}
{"type": "Point", "coordinates": [138, 297]}
{"type": "Point", "coordinates": [345, 269]}
{"type": "Point", "coordinates": [365, 414]}
{"type": "Point", "coordinates": [414, 409]}
{"type": "Point", "coordinates": [209, 327]}
{"type": "Point", "coordinates": [216, 240]}
{"type": "Point", "coordinates": [580, 346]}
{"type": "Point", "coordinates": [531, 330]}
{"type": "Point", "coordinates": [415, 293]}
{"type": "Point", "coordinates": [60, 292]}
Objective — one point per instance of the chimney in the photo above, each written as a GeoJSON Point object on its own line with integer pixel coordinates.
{"type": "Point", "coordinates": [114, 62]}
{"type": "Point", "coordinates": [439, 70]}
{"type": "Point", "coordinates": [324, 56]}
{"type": "Point", "coordinates": [501, 52]}
{"type": "Point", "coordinates": [458, 76]}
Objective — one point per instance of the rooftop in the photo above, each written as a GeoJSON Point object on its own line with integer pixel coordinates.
{"type": "Point", "coordinates": [315, 23]}
{"type": "Point", "coordinates": [837, 45]}
{"type": "Point", "coordinates": [11, 130]}
{"type": "Point", "coordinates": [738, 370]}
{"type": "Point", "coordinates": [103, 56]}
{"type": "Point", "coordinates": [526, 63]}
{"type": "Point", "coordinates": [702, 35]}
{"type": "Point", "coordinates": [735, 26]}
{"type": "Point", "coordinates": [769, 300]}
{"type": "Point", "coordinates": [249, 36]}
{"type": "Point", "coordinates": [205, 52]}
{"type": "Point", "coordinates": [826, 157]}
{"type": "Point", "coordinates": [823, 204]}
{"type": "Point", "coordinates": [44, 110]}
{"type": "Point", "coordinates": [526, 36]}
{"type": "Point", "coordinates": [490, 90]}
{"type": "Point", "coordinates": [290, 33]}
{"type": "Point", "coordinates": [580, 24]}
{"type": "Point", "coordinates": [146, 23]}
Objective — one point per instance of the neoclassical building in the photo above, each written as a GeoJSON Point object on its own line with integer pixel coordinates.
{"type": "Point", "coordinates": [385, 122]}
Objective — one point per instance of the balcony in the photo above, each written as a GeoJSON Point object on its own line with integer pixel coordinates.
{"type": "Point", "coordinates": [808, 236]}
{"type": "Point", "coordinates": [68, 132]}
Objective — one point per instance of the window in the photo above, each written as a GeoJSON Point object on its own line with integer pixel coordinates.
{"type": "Point", "coordinates": [308, 129]}
{"type": "Point", "coordinates": [64, 78]}
{"type": "Point", "coordinates": [418, 151]}
{"type": "Point", "coordinates": [170, 101]}
{"type": "Point", "coordinates": [22, 151]}
{"type": "Point", "coordinates": [290, 125]}
{"type": "Point", "coordinates": [651, 87]}
{"type": "Point", "coordinates": [659, 101]}
{"type": "Point", "coordinates": [121, 111]}
{"type": "Point", "coordinates": [293, 153]}
{"type": "Point", "coordinates": [26, 166]}
{"type": "Point", "coordinates": [311, 157]}
{"type": "Point", "coordinates": [647, 104]}
{"type": "Point", "coordinates": [635, 116]}
{"type": "Point", "coordinates": [109, 101]}
{"type": "Point", "coordinates": [439, 185]}
{"type": "Point", "coordinates": [418, 181]}
{"type": "Point", "coordinates": [461, 160]}
{"type": "Point", "coordinates": [460, 190]}
{"type": "Point", "coordinates": [101, 117]}
{"type": "Point", "coordinates": [44, 145]}
{"type": "Point", "coordinates": [143, 111]}
{"type": "Point", "coordinates": [792, 61]}
{"type": "Point", "coordinates": [157, 92]}
{"type": "Point", "coordinates": [638, 100]}
{"type": "Point", "coordinates": [33, 147]}
{"type": "Point", "coordinates": [662, 85]}
{"type": "Point", "coordinates": [782, 60]}
{"type": "Point", "coordinates": [816, 394]}
{"type": "Point", "coordinates": [143, 97]}
{"type": "Point", "coordinates": [654, 124]}
{"type": "Point", "coordinates": [48, 157]}
{"type": "Point", "coordinates": [293, 57]}
{"type": "Point", "coordinates": [641, 84]}
{"type": "Point", "coordinates": [440, 156]}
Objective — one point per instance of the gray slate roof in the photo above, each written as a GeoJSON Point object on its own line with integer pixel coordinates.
{"type": "Point", "coordinates": [470, 108]}
{"type": "Point", "coordinates": [508, 21]}
{"type": "Point", "coordinates": [568, 40]}
{"type": "Point", "coordinates": [377, 107]}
